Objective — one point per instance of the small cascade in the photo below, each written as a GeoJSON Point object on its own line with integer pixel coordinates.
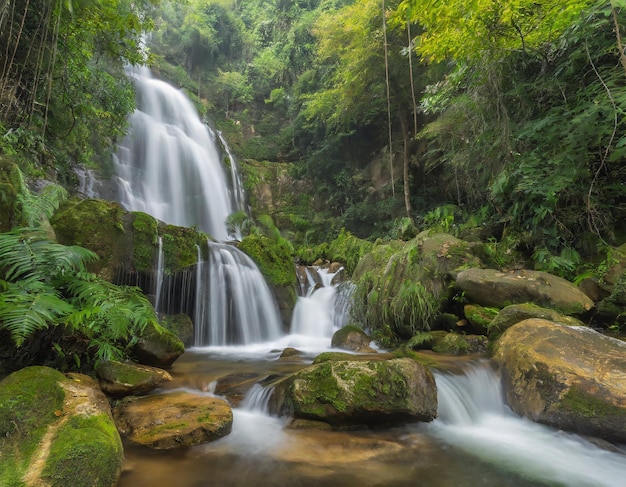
{"type": "Point", "coordinates": [474, 417]}
{"type": "Point", "coordinates": [168, 165]}
{"type": "Point", "coordinates": [237, 305]}
{"type": "Point", "coordinates": [316, 316]}
{"type": "Point", "coordinates": [257, 399]}
{"type": "Point", "coordinates": [88, 184]}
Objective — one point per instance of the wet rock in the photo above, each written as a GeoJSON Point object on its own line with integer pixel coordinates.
{"type": "Point", "coordinates": [174, 420]}
{"type": "Point", "coordinates": [489, 287]}
{"type": "Point", "coordinates": [125, 379]}
{"type": "Point", "coordinates": [180, 325]}
{"type": "Point", "coordinates": [158, 347]}
{"type": "Point", "coordinates": [56, 430]}
{"type": "Point", "coordinates": [571, 378]}
{"type": "Point", "coordinates": [235, 386]}
{"type": "Point", "coordinates": [352, 338]}
{"type": "Point", "coordinates": [290, 353]}
{"type": "Point", "coordinates": [344, 393]}
{"type": "Point", "coordinates": [449, 343]}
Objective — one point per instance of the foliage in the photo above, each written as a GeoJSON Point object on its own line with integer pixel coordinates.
{"type": "Point", "coordinates": [46, 284]}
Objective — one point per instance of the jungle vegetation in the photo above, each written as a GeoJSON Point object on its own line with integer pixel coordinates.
{"type": "Point", "coordinates": [500, 119]}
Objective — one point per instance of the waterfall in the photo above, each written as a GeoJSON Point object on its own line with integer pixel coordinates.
{"type": "Point", "coordinates": [238, 307]}
{"type": "Point", "coordinates": [474, 417]}
{"type": "Point", "coordinates": [168, 165]}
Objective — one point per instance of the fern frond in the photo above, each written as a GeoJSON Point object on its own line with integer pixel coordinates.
{"type": "Point", "coordinates": [36, 207]}
{"type": "Point", "coordinates": [26, 254]}
{"type": "Point", "coordinates": [23, 312]}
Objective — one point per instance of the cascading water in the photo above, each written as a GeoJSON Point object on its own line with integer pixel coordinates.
{"type": "Point", "coordinates": [474, 417]}
{"type": "Point", "coordinates": [240, 308]}
{"type": "Point", "coordinates": [168, 165]}
{"type": "Point", "coordinates": [322, 309]}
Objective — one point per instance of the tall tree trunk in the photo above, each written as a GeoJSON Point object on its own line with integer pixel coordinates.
{"type": "Point", "coordinates": [406, 163]}
{"type": "Point", "coordinates": [393, 189]}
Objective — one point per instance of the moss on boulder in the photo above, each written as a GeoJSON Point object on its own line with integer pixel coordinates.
{"type": "Point", "coordinates": [514, 313]}
{"type": "Point", "coordinates": [56, 431]}
{"type": "Point", "coordinates": [158, 347]}
{"type": "Point", "coordinates": [9, 189]}
{"type": "Point", "coordinates": [127, 378]}
{"type": "Point", "coordinates": [344, 393]}
{"type": "Point", "coordinates": [180, 325]}
{"type": "Point", "coordinates": [352, 337]}
{"type": "Point", "coordinates": [571, 378]}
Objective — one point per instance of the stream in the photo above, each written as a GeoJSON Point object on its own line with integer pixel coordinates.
{"type": "Point", "coordinates": [475, 441]}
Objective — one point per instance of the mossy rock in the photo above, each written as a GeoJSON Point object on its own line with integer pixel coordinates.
{"type": "Point", "coordinates": [180, 325]}
{"type": "Point", "coordinates": [66, 421]}
{"type": "Point", "coordinates": [512, 314]}
{"type": "Point", "coordinates": [127, 378]}
{"type": "Point", "coordinates": [352, 337]}
{"type": "Point", "coordinates": [344, 393]}
{"type": "Point", "coordinates": [349, 250]}
{"type": "Point", "coordinates": [145, 239]}
{"type": "Point", "coordinates": [571, 378]}
{"type": "Point", "coordinates": [180, 246]}
{"type": "Point", "coordinates": [448, 343]}
{"type": "Point", "coordinates": [98, 226]}
{"type": "Point", "coordinates": [158, 347]}
{"type": "Point", "coordinates": [480, 317]}
{"type": "Point", "coordinates": [274, 259]}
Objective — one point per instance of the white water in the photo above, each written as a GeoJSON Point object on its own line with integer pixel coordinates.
{"type": "Point", "coordinates": [168, 165]}
{"type": "Point", "coordinates": [234, 305]}
{"type": "Point", "coordinates": [159, 276]}
{"type": "Point", "coordinates": [474, 417]}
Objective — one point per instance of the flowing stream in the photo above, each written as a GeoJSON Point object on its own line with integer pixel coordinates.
{"type": "Point", "coordinates": [169, 166]}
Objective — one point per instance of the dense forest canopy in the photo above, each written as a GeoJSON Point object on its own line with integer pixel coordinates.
{"type": "Point", "coordinates": [505, 118]}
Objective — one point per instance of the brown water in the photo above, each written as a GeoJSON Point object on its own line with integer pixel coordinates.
{"type": "Point", "coordinates": [264, 451]}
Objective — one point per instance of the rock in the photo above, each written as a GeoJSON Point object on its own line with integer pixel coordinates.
{"type": "Point", "coordinates": [571, 378]}
{"type": "Point", "coordinates": [56, 430]}
{"type": "Point", "coordinates": [158, 347]}
{"type": "Point", "coordinates": [180, 325]}
{"type": "Point", "coordinates": [125, 379]}
{"type": "Point", "coordinates": [290, 353]}
{"type": "Point", "coordinates": [174, 420]}
{"type": "Point", "coordinates": [510, 315]}
{"type": "Point", "coordinates": [235, 386]}
{"type": "Point", "coordinates": [479, 317]}
{"type": "Point", "coordinates": [489, 287]}
{"type": "Point", "coordinates": [344, 393]}
{"type": "Point", "coordinates": [352, 338]}
{"type": "Point", "coordinates": [449, 343]}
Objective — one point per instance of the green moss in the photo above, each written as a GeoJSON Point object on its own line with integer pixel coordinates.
{"type": "Point", "coordinates": [589, 406]}
{"type": "Point", "coordinates": [180, 246]}
{"type": "Point", "coordinates": [86, 451]}
{"type": "Point", "coordinates": [162, 339]}
{"type": "Point", "coordinates": [332, 357]}
{"type": "Point", "coordinates": [123, 373]}
{"type": "Point", "coordinates": [480, 316]}
{"type": "Point", "coordinates": [274, 258]}
{"type": "Point", "coordinates": [348, 250]}
{"type": "Point", "coordinates": [10, 181]}
{"type": "Point", "coordinates": [145, 240]}
{"type": "Point", "coordinates": [28, 401]}
{"type": "Point", "coordinates": [451, 344]}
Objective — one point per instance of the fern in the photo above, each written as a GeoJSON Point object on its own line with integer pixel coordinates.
{"type": "Point", "coordinates": [37, 207]}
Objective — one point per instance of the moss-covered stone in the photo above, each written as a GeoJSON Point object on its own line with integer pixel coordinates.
{"type": "Point", "coordinates": [158, 347]}
{"type": "Point", "coordinates": [145, 241]}
{"type": "Point", "coordinates": [571, 378]}
{"type": "Point", "coordinates": [180, 325]}
{"type": "Point", "coordinates": [56, 431]}
{"type": "Point", "coordinates": [449, 343]}
{"type": "Point", "coordinates": [514, 313]}
{"type": "Point", "coordinates": [360, 392]}
{"type": "Point", "coordinates": [480, 317]}
{"type": "Point", "coordinates": [126, 378]}
{"type": "Point", "coordinates": [352, 337]}
{"type": "Point", "coordinates": [274, 259]}
{"type": "Point", "coordinates": [180, 246]}
{"type": "Point", "coordinates": [98, 226]}
{"type": "Point", "coordinates": [85, 452]}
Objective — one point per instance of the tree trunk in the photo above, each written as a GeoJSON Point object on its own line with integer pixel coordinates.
{"type": "Point", "coordinates": [405, 169]}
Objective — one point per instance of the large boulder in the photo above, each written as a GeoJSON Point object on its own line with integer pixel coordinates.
{"type": "Point", "coordinates": [174, 420]}
{"type": "Point", "coordinates": [572, 378]}
{"type": "Point", "coordinates": [127, 378]}
{"type": "Point", "coordinates": [489, 287]}
{"type": "Point", "coordinates": [57, 431]}
{"type": "Point", "coordinates": [345, 393]}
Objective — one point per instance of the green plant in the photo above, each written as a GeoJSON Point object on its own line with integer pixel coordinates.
{"type": "Point", "coordinates": [47, 284]}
